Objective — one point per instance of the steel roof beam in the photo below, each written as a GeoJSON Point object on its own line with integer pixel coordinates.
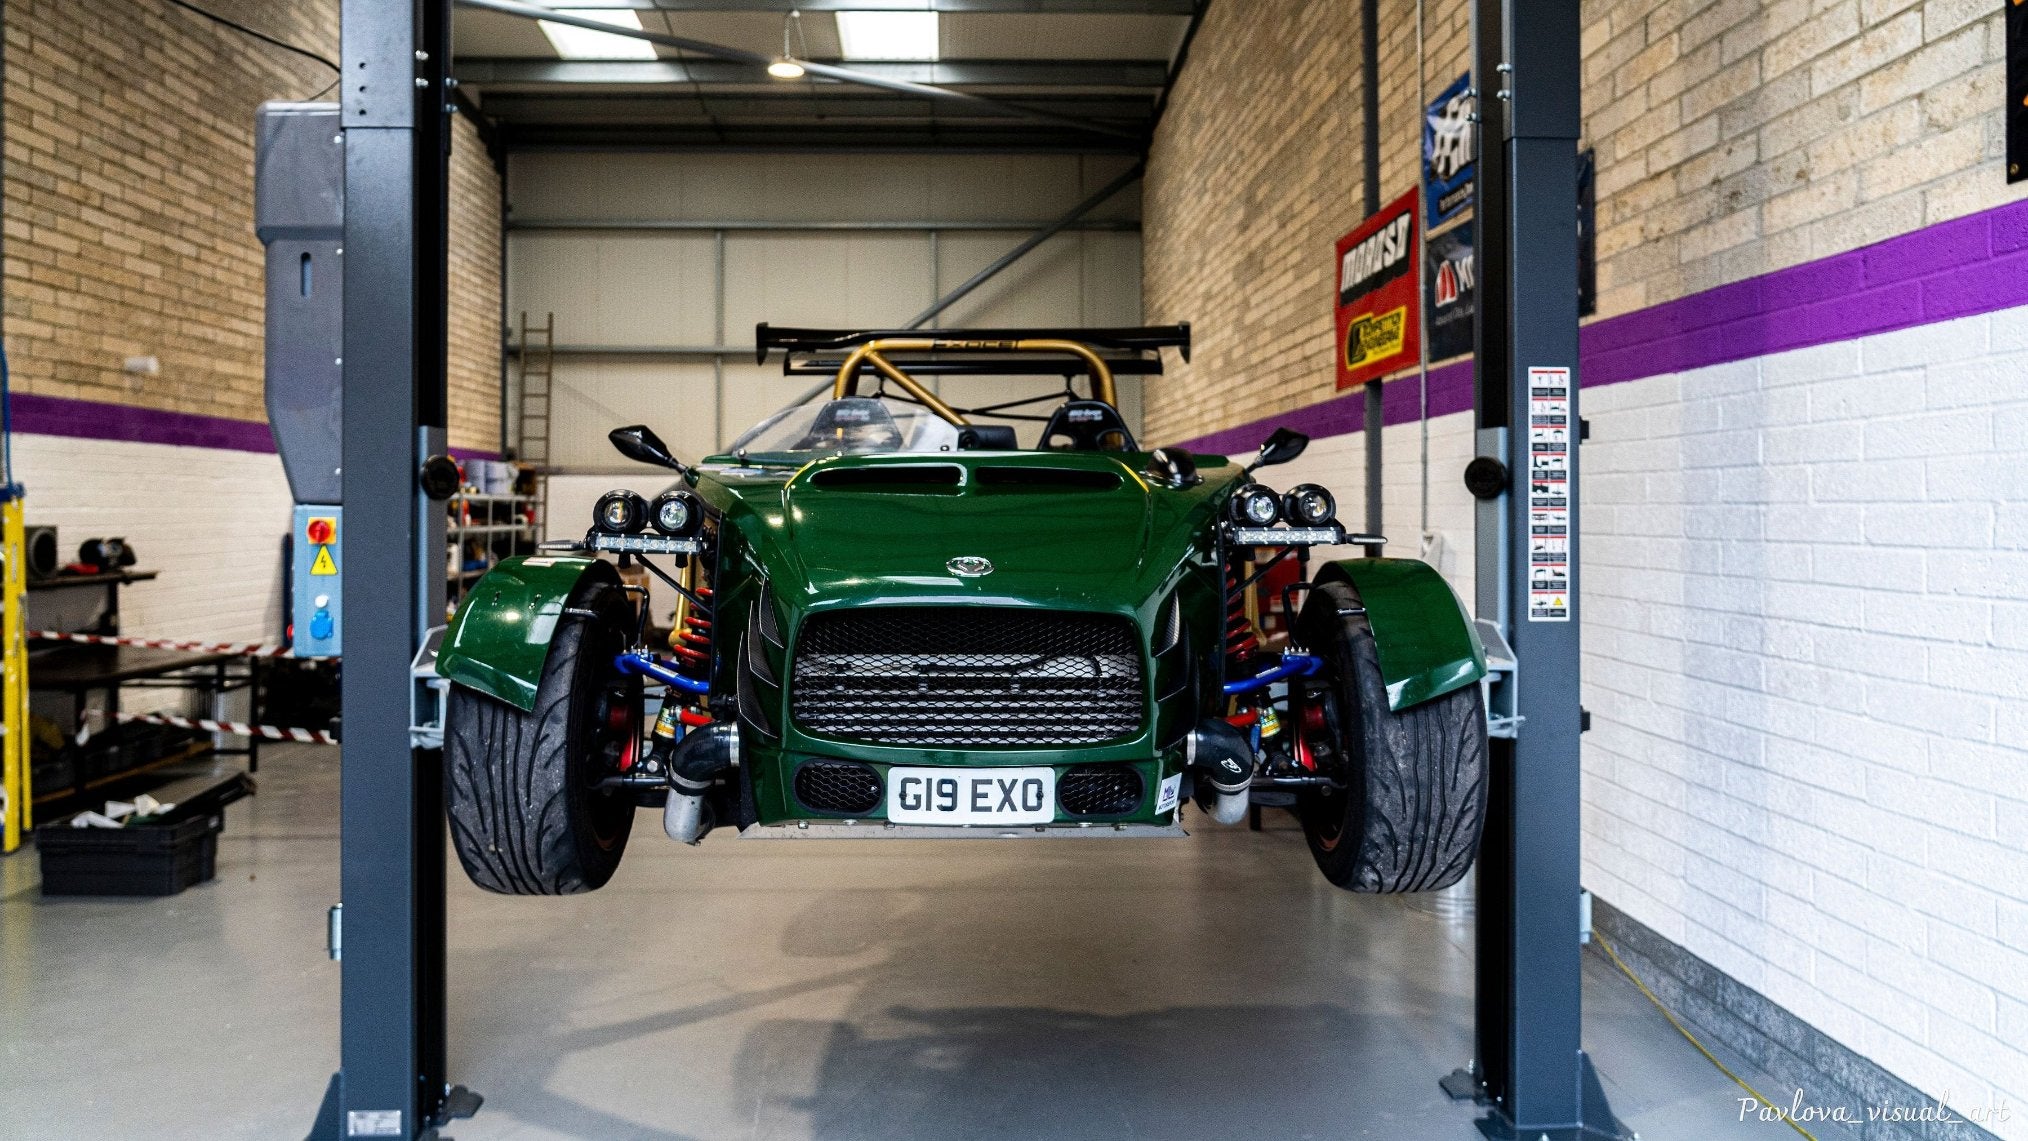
{"type": "Point", "coordinates": [821, 70]}
{"type": "Point", "coordinates": [949, 7]}
{"type": "Point", "coordinates": [528, 108]}
{"type": "Point", "coordinates": [503, 72]}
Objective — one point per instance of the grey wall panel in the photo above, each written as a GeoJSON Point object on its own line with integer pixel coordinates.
{"type": "Point", "coordinates": [865, 279]}
{"type": "Point", "coordinates": [799, 188]}
{"type": "Point", "coordinates": [594, 395]}
{"type": "Point", "coordinates": [615, 289]}
{"type": "Point", "coordinates": [646, 288]}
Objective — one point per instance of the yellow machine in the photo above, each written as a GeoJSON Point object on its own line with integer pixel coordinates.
{"type": "Point", "coordinates": [14, 791]}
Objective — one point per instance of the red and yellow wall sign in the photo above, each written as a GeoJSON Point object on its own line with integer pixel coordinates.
{"type": "Point", "coordinates": [1379, 321]}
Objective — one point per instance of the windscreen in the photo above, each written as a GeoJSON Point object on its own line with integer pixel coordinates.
{"type": "Point", "coordinates": [854, 426]}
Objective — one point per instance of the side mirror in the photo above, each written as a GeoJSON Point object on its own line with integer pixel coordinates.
{"type": "Point", "coordinates": [1281, 446]}
{"type": "Point", "coordinates": [639, 443]}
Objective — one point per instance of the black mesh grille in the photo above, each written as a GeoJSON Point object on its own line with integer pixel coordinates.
{"type": "Point", "coordinates": [968, 676]}
{"type": "Point", "coordinates": [1099, 790]}
{"type": "Point", "coordinates": [838, 786]}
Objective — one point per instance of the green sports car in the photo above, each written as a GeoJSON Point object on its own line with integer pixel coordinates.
{"type": "Point", "coordinates": [893, 621]}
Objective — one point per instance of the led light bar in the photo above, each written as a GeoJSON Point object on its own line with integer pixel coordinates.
{"type": "Point", "coordinates": [1296, 536]}
{"type": "Point", "coordinates": [641, 544]}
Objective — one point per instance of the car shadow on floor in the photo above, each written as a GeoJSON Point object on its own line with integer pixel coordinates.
{"type": "Point", "coordinates": [1026, 1072]}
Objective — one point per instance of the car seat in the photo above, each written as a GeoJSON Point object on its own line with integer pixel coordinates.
{"type": "Point", "coordinates": [1087, 426]}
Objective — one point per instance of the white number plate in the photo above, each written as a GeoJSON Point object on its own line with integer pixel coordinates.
{"type": "Point", "coordinates": [971, 796]}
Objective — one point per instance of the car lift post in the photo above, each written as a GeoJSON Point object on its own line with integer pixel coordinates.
{"type": "Point", "coordinates": [1531, 1068]}
{"type": "Point", "coordinates": [389, 932]}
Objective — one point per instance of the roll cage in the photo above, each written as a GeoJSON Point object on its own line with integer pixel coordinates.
{"type": "Point", "coordinates": [849, 355]}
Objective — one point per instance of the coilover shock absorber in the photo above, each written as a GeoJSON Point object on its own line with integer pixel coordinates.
{"type": "Point", "coordinates": [1240, 640]}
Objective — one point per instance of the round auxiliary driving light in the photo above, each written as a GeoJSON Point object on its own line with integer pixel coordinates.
{"type": "Point", "coordinates": [1255, 506]}
{"type": "Point", "coordinates": [676, 513]}
{"type": "Point", "coordinates": [1307, 505]}
{"type": "Point", "coordinates": [620, 513]}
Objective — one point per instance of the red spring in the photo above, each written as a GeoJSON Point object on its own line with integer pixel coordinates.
{"type": "Point", "coordinates": [690, 655]}
{"type": "Point", "coordinates": [696, 623]}
{"type": "Point", "coordinates": [693, 717]}
{"type": "Point", "coordinates": [1240, 642]}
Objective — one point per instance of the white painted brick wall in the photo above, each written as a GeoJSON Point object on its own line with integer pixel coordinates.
{"type": "Point", "coordinates": [210, 520]}
{"type": "Point", "coordinates": [1805, 601]}
{"type": "Point", "coordinates": [1806, 635]}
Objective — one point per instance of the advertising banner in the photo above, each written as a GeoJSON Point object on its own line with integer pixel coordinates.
{"type": "Point", "coordinates": [1378, 320]}
{"type": "Point", "coordinates": [1450, 291]}
{"type": "Point", "coordinates": [1448, 143]}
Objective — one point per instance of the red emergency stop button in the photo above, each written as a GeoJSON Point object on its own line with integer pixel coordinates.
{"type": "Point", "coordinates": [321, 530]}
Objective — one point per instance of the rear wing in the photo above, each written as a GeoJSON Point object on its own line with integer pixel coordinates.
{"type": "Point", "coordinates": [1130, 351]}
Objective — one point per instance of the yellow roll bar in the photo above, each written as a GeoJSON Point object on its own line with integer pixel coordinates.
{"type": "Point", "coordinates": [872, 352]}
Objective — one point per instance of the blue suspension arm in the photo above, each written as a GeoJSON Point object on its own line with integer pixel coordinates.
{"type": "Point", "coordinates": [1292, 665]}
{"type": "Point", "coordinates": [653, 668]}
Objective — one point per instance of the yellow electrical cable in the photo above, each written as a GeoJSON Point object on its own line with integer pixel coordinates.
{"type": "Point", "coordinates": [1692, 1038]}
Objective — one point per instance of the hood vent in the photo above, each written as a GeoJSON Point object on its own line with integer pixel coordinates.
{"type": "Point", "coordinates": [891, 477]}
{"type": "Point", "coordinates": [934, 478]}
{"type": "Point", "coordinates": [1049, 478]}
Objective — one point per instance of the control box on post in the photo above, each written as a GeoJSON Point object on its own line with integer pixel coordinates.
{"type": "Point", "coordinates": [316, 570]}
{"type": "Point", "coordinates": [299, 213]}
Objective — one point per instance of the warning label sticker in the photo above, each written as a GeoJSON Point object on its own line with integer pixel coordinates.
{"type": "Point", "coordinates": [323, 563]}
{"type": "Point", "coordinates": [1549, 440]}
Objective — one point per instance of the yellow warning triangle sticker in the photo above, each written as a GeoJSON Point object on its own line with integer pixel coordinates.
{"type": "Point", "coordinates": [324, 564]}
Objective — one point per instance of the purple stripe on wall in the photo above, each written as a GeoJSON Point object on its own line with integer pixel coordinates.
{"type": "Point", "coordinates": [1966, 266]}
{"type": "Point", "coordinates": [93, 420]}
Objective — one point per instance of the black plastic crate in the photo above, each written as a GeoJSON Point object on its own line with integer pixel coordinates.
{"type": "Point", "coordinates": [142, 859]}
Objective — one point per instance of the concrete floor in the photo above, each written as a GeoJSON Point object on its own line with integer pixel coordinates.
{"type": "Point", "coordinates": [1209, 987]}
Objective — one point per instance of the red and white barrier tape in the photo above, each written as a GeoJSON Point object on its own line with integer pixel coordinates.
{"type": "Point", "coordinates": [271, 732]}
{"type": "Point", "coordinates": [241, 649]}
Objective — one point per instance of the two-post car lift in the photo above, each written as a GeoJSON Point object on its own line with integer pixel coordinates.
{"type": "Point", "coordinates": [392, 1081]}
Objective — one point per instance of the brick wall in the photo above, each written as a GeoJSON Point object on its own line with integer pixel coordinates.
{"type": "Point", "coordinates": [477, 277]}
{"type": "Point", "coordinates": [129, 232]}
{"type": "Point", "coordinates": [1805, 593]}
{"type": "Point", "coordinates": [1254, 174]}
{"type": "Point", "coordinates": [129, 207]}
{"type": "Point", "coordinates": [1804, 581]}
{"type": "Point", "coordinates": [1734, 137]}
{"type": "Point", "coordinates": [129, 196]}
{"type": "Point", "coordinates": [1738, 137]}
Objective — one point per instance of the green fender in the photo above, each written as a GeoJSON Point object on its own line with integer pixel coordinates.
{"type": "Point", "coordinates": [1428, 646]}
{"type": "Point", "coordinates": [499, 639]}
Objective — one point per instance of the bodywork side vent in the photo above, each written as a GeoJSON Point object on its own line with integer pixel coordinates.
{"type": "Point", "coordinates": [846, 788]}
{"type": "Point", "coordinates": [752, 709]}
{"type": "Point", "coordinates": [765, 621]}
{"type": "Point", "coordinates": [757, 662]}
{"type": "Point", "coordinates": [1099, 790]}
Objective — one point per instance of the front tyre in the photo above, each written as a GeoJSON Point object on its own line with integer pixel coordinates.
{"type": "Point", "coordinates": [527, 815]}
{"type": "Point", "coordinates": [1414, 798]}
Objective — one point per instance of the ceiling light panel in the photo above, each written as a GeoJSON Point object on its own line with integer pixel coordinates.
{"type": "Point", "coordinates": [573, 42]}
{"type": "Point", "coordinates": [888, 35]}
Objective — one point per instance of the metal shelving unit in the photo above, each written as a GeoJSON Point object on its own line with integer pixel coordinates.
{"type": "Point", "coordinates": [482, 530]}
